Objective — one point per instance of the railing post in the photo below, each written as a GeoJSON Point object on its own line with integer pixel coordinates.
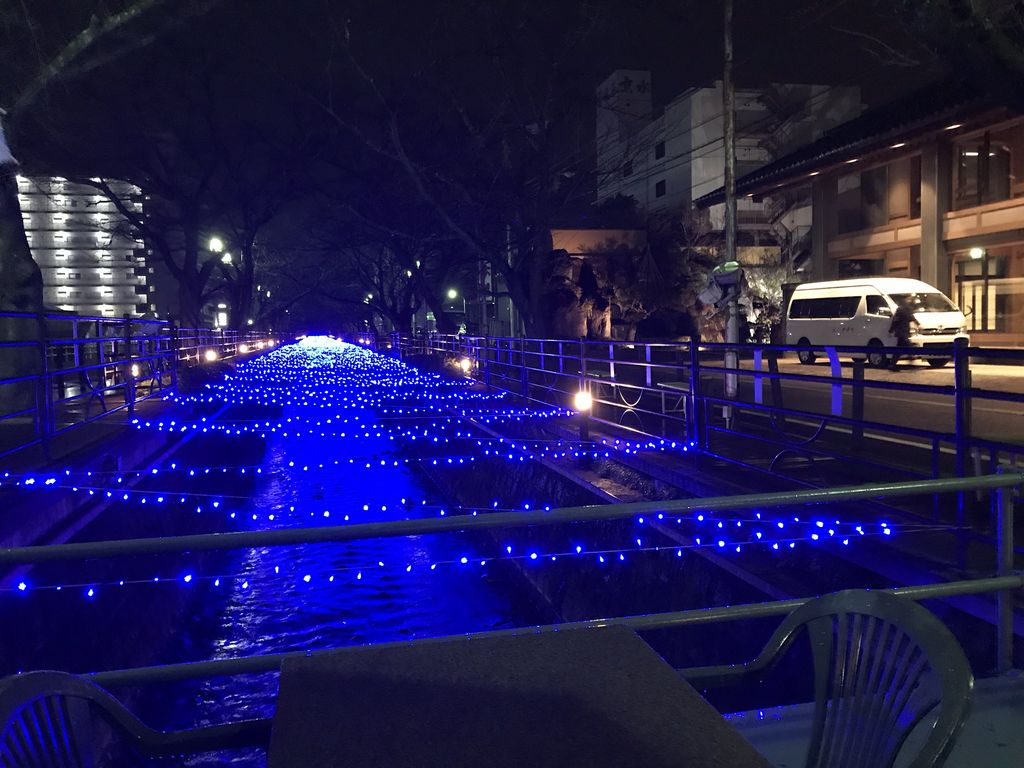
{"type": "Point", "coordinates": [487, 362]}
{"type": "Point", "coordinates": [1004, 534]}
{"type": "Point", "coordinates": [857, 430]}
{"type": "Point", "coordinates": [174, 344]}
{"type": "Point", "coordinates": [962, 424]}
{"type": "Point", "coordinates": [776, 384]}
{"type": "Point", "coordinates": [962, 385]}
{"type": "Point", "coordinates": [695, 420]}
{"type": "Point", "coordinates": [524, 372]}
{"type": "Point", "coordinates": [44, 397]}
{"type": "Point", "coordinates": [129, 376]}
{"type": "Point", "coordinates": [647, 359]}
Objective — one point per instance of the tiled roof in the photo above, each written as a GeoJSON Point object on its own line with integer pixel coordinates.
{"type": "Point", "coordinates": [927, 109]}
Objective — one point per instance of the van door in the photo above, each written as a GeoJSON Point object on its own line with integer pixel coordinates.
{"type": "Point", "coordinates": [878, 311]}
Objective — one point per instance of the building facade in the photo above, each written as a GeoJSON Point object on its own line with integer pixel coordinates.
{"type": "Point", "coordinates": [666, 161]}
{"type": "Point", "coordinates": [930, 187]}
{"type": "Point", "coordinates": [90, 261]}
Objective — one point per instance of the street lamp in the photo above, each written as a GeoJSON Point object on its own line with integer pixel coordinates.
{"type": "Point", "coordinates": [453, 294]}
{"type": "Point", "coordinates": [216, 245]}
{"type": "Point", "coordinates": [583, 402]}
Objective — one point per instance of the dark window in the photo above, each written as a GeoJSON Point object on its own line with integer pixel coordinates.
{"type": "Point", "coordinates": [874, 192]}
{"type": "Point", "coordinates": [877, 305]}
{"type": "Point", "coordinates": [627, 168]}
{"type": "Point", "coordinates": [982, 169]}
{"type": "Point", "coordinates": [915, 187]}
{"type": "Point", "coordinates": [832, 307]}
{"type": "Point", "coordinates": [659, 189]}
{"type": "Point", "coordinates": [659, 150]}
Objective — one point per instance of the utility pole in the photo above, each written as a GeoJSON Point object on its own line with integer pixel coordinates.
{"type": "Point", "coordinates": [732, 327]}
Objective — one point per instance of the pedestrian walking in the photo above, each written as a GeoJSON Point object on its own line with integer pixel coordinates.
{"type": "Point", "coordinates": [900, 327]}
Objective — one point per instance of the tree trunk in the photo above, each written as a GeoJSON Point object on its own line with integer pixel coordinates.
{"type": "Point", "coordinates": [188, 303]}
{"type": "Point", "coordinates": [21, 282]}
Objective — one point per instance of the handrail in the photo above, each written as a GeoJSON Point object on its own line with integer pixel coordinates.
{"type": "Point", "coordinates": [626, 379]}
{"type": "Point", "coordinates": [575, 514]}
{"type": "Point", "coordinates": [271, 662]}
{"type": "Point", "coordinates": [79, 358]}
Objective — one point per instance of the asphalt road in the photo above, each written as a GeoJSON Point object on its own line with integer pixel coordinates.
{"type": "Point", "coordinates": [991, 418]}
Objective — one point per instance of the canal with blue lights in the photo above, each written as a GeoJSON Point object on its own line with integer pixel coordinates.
{"type": "Point", "coordinates": [321, 434]}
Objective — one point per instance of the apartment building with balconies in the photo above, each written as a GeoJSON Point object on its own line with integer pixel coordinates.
{"type": "Point", "coordinates": [666, 161]}
{"type": "Point", "coordinates": [91, 261]}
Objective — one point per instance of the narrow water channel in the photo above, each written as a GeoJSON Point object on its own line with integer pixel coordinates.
{"type": "Point", "coordinates": [317, 449]}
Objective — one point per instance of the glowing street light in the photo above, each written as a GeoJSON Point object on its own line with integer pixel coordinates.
{"type": "Point", "coordinates": [210, 355]}
{"type": "Point", "coordinates": [583, 402]}
{"type": "Point", "coordinates": [452, 293]}
{"type": "Point", "coordinates": [216, 245]}
{"type": "Point", "coordinates": [226, 258]}
{"type": "Point", "coordinates": [135, 370]}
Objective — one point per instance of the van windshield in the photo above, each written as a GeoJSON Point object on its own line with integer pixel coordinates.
{"type": "Point", "coordinates": [925, 302]}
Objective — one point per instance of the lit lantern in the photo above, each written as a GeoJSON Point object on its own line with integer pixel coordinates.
{"type": "Point", "coordinates": [583, 401]}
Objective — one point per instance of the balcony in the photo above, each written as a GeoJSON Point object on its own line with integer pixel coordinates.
{"type": "Point", "coordinates": [1004, 216]}
{"type": "Point", "coordinates": [897, 234]}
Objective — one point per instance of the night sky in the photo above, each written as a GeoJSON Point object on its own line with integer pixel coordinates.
{"type": "Point", "coordinates": [243, 110]}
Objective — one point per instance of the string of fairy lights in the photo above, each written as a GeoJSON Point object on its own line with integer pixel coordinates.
{"type": "Point", "coordinates": [344, 391]}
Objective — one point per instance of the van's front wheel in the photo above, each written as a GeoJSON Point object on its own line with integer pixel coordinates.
{"type": "Point", "coordinates": [805, 354]}
{"type": "Point", "coordinates": [876, 354]}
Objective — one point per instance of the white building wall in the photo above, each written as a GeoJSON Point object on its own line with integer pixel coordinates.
{"type": "Point", "coordinates": [770, 122]}
{"type": "Point", "coordinates": [91, 264]}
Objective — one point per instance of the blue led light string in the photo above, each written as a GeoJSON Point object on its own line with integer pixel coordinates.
{"type": "Point", "coordinates": [409, 408]}
{"type": "Point", "coordinates": [594, 554]}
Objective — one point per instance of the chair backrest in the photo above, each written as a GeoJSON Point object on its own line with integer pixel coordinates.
{"type": "Point", "coordinates": [55, 720]}
{"type": "Point", "coordinates": [881, 665]}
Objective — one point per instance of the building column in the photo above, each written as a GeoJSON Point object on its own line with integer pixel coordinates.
{"type": "Point", "coordinates": [936, 189]}
{"type": "Point", "coordinates": [823, 226]}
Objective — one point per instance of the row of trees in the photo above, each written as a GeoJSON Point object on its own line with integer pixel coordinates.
{"type": "Point", "coordinates": [346, 150]}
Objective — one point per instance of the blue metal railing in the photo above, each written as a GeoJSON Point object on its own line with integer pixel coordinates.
{"type": "Point", "coordinates": [1005, 582]}
{"type": "Point", "coordinates": [676, 390]}
{"type": "Point", "coordinates": [60, 371]}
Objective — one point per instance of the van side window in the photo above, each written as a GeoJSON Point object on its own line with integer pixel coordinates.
{"type": "Point", "coordinates": [831, 307]}
{"type": "Point", "coordinates": [800, 308]}
{"type": "Point", "coordinates": [845, 306]}
{"type": "Point", "coordinates": [877, 305]}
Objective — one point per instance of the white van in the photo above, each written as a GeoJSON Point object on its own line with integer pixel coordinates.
{"type": "Point", "coordinates": [857, 313]}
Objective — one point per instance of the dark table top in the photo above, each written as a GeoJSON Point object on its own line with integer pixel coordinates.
{"type": "Point", "coordinates": [599, 697]}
